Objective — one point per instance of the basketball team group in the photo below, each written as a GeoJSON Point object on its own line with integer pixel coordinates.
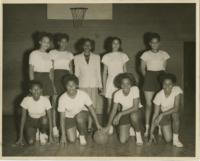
{"type": "Point", "coordinates": [65, 90]}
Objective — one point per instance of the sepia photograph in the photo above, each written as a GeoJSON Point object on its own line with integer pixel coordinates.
{"type": "Point", "coordinates": [99, 80]}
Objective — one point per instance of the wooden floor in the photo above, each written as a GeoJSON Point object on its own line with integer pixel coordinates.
{"type": "Point", "coordinates": [112, 148]}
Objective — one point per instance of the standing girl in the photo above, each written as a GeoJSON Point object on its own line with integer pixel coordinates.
{"type": "Point", "coordinates": [87, 69]}
{"type": "Point", "coordinates": [62, 65]}
{"type": "Point", "coordinates": [153, 63]}
{"type": "Point", "coordinates": [166, 109]}
{"type": "Point", "coordinates": [114, 63]}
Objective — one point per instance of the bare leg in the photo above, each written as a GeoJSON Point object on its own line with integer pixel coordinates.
{"type": "Point", "coordinates": [148, 97]}
{"type": "Point", "coordinates": [54, 117]}
{"type": "Point", "coordinates": [124, 133]}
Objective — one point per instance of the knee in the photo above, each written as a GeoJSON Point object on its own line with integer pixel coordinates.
{"type": "Point", "coordinates": [134, 117]}
{"type": "Point", "coordinates": [168, 139]}
{"type": "Point", "coordinates": [31, 142]}
{"type": "Point", "coordinates": [72, 140]}
{"type": "Point", "coordinates": [122, 140]}
{"type": "Point", "coordinates": [44, 121]}
{"type": "Point", "coordinates": [79, 119]}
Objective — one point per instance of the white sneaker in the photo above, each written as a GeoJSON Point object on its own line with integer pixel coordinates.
{"type": "Point", "coordinates": [177, 144]}
{"type": "Point", "coordinates": [37, 137]}
{"type": "Point", "coordinates": [77, 134]}
{"type": "Point", "coordinates": [82, 140]}
{"type": "Point", "coordinates": [55, 132]}
{"type": "Point", "coordinates": [132, 131]}
{"type": "Point", "coordinates": [43, 138]}
{"type": "Point", "coordinates": [110, 132]}
{"type": "Point", "coordinates": [139, 140]}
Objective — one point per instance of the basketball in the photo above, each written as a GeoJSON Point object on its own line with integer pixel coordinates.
{"type": "Point", "coordinates": [100, 137]}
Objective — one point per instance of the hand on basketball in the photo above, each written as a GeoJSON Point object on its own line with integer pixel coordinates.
{"type": "Point", "coordinates": [99, 127]}
{"type": "Point", "coordinates": [116, 119]}
{"type": "Point", "coordinates": [105, 129]}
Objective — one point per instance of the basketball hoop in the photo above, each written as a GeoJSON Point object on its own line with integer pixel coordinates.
{"type": "Point", "coordinates": [78, 15]}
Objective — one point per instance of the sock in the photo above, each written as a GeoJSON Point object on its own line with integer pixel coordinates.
{"type": "Point", "coordinates": [138, 137]}
{"type": "Point", "coordinates": [146, 128]}
{"type": "Point", "coordinates": [175, 137]}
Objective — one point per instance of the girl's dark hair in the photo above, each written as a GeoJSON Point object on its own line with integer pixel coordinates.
{"type": "Point", "coordinates": [169, 76]}
{"type": "Point", "coordinates": [35, 83]}
{"type": "Point", "coordinates": [154, 35]}
{"type": "Point", "coordinates": [58, 37]}
{"type": "Point", "coordinates": [120, 42]}
{"type": "Point", "coordinates": [92, 42]}
{"type": "Point", "coordinates": [70, 77]}
{"type": "Point", "coordinates": [118, 79]}
{"type": "Point", "coordinates": [38, 36]}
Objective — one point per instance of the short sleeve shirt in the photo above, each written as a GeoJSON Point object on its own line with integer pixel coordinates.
{"type": "Point", "coordinates": [72, 106]}
{"type": "Point", "coordinates": [155, 61]}
{"type": "Point", "coordinates": [115, 62]}
{"type": "Point", "coordinates": [41, 61]}
{"type": "Point", "coordinates": [61, 59]}
{"type": "Point", "coordinates": [127, 100]}
{"type": "Point", "coordinates": [167, 103]}
{"type": "Point", "coordinates": [36, 109]}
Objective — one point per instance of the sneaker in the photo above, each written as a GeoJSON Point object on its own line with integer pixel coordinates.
{"type": "Point", "coordinates": [37, 137]}
{"type": "Point", "coordinates": [43, 138]}
{"type": "Point", "coordinates": [132, 131]}
{"type": "Point", "coordinates": [55, 132]}
{"type": "Point", "coordinates": [110, 132]}
{"type": "Point", "coordinates": [83, 140]}
{"type": "Point", "coordinates": [177, 144]}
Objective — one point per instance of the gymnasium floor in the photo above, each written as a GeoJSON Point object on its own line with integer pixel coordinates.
{"type": "Point", "coordinates": [112, 148]}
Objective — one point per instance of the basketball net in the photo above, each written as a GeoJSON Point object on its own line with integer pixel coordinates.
{"type": "Point", "coordinates": [78, 15]}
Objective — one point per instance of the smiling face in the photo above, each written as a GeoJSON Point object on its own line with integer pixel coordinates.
{"type": "Point", "coordinates": [36, 92]}
{"type": "Point", "coordinates": [87, 47]}
{"type": "Point", "coordinates": [116, 45]}
{"type": "Point", "coordinates": [44, 43]}
{"type": "Point", "coordinates": [62, 44]}
{"type": "Point", "coordinates": [71, 88]}
{"type": "Point", "coordinates": [126, 85]}
{"type": "Point", "coordinates": [167, 86]}
{"type": "Point", "coordinates": [154, 44]}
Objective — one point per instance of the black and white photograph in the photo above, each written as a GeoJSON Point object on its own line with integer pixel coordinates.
{"type": "Point", "coordinates": [99, 80]}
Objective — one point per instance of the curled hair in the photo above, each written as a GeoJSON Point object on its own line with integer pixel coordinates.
{"type": "Point", "coordinates": [38, 36]}
{"type": "Point", "coordinates": [91, 42]}
{"type": "Point", "coordinates": [35, 83]}
{"type": "Point", "coordinates": [154, 35]}
{"type": "Point", "coordinates": [166, 76]}
{"type": "Point", "coordinates": [118, 79]}
{"type": "Point", "coordinates": [58, 37]}
{"type": "Point", "coordinates": [70, 77]}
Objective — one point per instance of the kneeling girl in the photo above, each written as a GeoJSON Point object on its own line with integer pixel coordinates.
{"type": "Point", "coordinates": [72, 106]}
{"type": "Point", "coordinates": [129, 99]}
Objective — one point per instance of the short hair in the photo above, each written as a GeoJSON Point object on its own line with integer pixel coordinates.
{"type": "Point", "coordinates": [70, 77]}
{"type": "Point", "coordinates": [169, 76]}
{"type": "Point", "coordinates": [154, 35]}
{"type": "Point", "coordinates": [120, 42]}
{"type": "Point", "coordinates": [59, 36]}
{"type": "Point", "coordinates": [33, 83]}
{"type": "Point", "coordinates": [118, 79]}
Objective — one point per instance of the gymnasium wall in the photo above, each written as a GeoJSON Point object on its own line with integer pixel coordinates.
{"type": "Point", "coordinates": [175, 23]}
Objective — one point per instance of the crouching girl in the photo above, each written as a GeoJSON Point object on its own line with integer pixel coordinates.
{"type": "Point", "coordinates": [129, 115]}
{"type": "Point", "coordinates": [39, 116]}
{"type": "Point", "coordinates": [167, 110]}
{"type": "Point", "coordinates": [73, 105]}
